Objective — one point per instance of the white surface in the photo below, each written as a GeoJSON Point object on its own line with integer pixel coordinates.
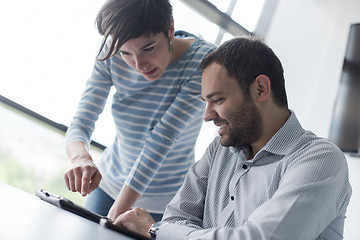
{"type": "Point", "coordinates": [27, 217]}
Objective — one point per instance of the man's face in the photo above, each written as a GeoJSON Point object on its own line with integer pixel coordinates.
{"type": "Point", "coordinates": [149, 55]}
{"type": "Point", "coordinates": [236, 114]}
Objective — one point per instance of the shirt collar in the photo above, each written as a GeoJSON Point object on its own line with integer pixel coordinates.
{"type": "Point", "coordinates": [284, 139]}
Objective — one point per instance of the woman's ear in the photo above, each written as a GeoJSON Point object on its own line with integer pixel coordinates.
{"type": "Point", "coordinates": [171, 30]}
{"type": "Point", "coordinates": [263, 87]}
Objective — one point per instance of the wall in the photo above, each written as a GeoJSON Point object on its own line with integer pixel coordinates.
{"type": "Point", "coordinates": [310, 38]}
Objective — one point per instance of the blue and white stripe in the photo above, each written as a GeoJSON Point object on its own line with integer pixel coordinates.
{"type": "Point", "coordinates": [157, 122]}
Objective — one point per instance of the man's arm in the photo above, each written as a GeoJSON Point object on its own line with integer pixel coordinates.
{"type": "Point", "coordinates": [312, 195]}
{"type": "Point", "coordinates": [313, 192]}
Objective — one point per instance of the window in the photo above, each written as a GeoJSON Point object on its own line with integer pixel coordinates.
{"type": "Point", "coordinates": [48, 49]}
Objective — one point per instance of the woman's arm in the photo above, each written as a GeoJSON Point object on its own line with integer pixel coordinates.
{"type": "Point", "coordinates": [83, 176]}
{"type": "Point", "coordinates": [124, 201]}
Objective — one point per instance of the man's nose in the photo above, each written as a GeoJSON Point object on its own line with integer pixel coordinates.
{"type": "Point", "coordinates": [210, 114]}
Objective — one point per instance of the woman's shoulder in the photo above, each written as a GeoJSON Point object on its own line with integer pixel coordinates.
{"type": "Point", "coordinates": [198, 41]}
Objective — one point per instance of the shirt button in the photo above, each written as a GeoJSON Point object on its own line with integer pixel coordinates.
{"type": "Point", "coordinates": [232, 198]}
{"type": "Point", "coordinates": [244, 166]}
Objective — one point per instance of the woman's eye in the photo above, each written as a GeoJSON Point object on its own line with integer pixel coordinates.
{"type": "Point", "coordinates": [124, 53]}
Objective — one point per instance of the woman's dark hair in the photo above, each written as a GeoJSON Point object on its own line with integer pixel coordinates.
{"type": "Point", "coordinates": [122, 20]}
{"type": "Point", "coordinates": [245, 58]}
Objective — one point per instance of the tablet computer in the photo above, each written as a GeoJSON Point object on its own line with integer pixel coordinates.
{"type": "Point", "coordinates": [70, 206]}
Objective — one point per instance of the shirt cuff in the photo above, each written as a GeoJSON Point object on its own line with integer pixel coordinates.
{"type": "Point", "coordinates": [174, 231]}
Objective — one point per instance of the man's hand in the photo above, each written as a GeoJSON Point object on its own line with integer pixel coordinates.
{"type": "Point", "coordinates": [82, 177]}
{"type": "Point", "coordinates": [137, 220]}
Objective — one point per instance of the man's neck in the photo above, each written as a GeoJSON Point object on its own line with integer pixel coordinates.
{"type": "Point", "coordinates": [272, 122]}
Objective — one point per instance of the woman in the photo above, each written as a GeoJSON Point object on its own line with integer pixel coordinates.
{"type": "Point", "coordinates": [157, 110]}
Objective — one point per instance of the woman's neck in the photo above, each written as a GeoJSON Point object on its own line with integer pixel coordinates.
{"type": "Point", "coordinates": [179, 46]}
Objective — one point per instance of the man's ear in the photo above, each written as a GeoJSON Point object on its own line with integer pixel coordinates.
{"type": "Point", "coordinates": [263, 87]}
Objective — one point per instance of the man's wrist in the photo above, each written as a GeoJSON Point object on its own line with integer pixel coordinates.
{"type": "Point", "coordinates": [155, 228]}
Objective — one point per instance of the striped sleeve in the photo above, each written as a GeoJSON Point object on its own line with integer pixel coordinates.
{"type": "Point", "coordinates": [182, 112]}
{"type": "Point", "coordinates": [187, 108]}
{"type": "Point", "coordinates": [91, 105]}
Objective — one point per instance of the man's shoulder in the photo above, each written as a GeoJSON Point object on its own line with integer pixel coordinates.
{"type": "Point", "coordinates": [319, 150]}
{"type": "Point", "coordinates": [311, 141]}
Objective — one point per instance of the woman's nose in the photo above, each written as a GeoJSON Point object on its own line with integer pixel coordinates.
{"type": "Point", "coordinates": [140, 63]}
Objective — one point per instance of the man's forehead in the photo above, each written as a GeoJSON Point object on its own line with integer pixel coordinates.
{"type": "Point", "coordinates": [213, 73]}
{"type": "Point", "coordinates": [216, 81]}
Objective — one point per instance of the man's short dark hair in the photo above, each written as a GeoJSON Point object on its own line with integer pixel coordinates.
{"type": "Point", "coordinates": [245, 58]}
{"type": "Point", "coordinates": [123, 20]}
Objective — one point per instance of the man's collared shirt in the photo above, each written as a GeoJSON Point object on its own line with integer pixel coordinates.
{"type": "Point", "coordinates": [296, 187]}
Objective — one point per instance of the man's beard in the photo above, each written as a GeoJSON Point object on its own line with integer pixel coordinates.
{"type": "Point", "coordinates": [245, 126]}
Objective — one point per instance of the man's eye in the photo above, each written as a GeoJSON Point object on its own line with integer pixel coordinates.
{"type": "Point", "coordinates": [149, 49]}
{"type": "Point", "coordinates": [218, 100]}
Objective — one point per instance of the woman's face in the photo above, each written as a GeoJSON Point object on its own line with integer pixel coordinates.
{"type": "Point", "coordinates": [149, 55]}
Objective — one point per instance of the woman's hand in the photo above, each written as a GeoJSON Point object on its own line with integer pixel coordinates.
{"type": "Point", "coordinates": [83, 176]}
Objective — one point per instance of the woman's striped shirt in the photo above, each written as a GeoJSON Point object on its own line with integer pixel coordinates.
{"type": "Point", "coordinates": [157, 124]}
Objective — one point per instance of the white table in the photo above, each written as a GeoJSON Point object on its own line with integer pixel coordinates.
{"type": "Point", "coordinates": [25, 216]}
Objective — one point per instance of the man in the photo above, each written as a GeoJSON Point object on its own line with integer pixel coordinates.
{"type": "Point", "coordinates": [264, 177]}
